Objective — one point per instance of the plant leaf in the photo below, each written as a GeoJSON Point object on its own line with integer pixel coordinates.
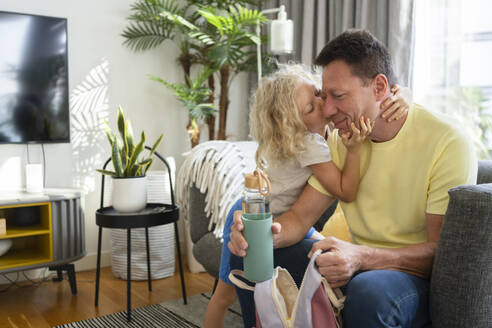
{"type": "Point", "coordinates": [120, 119]}
{"type": "Point", "coordinates": [156, 144]}
{"type": "Point", "coordinates": [106, 172]}
{"type": "Point", "coordinates": [145, 162]}
{"type": "Point", "coordinates": [138, 149]}
{"type": "Point", "coordinates": [253, 37]}
{"type": "Point", "coordinates": [147, 29]}
{"type": "Point", "coordinates": [147, 166]}
{"type": "Point", "coordinates": [202, 37]}
{"type": "Point", "coordinates": [219, 54]}
{"type": "Point", "coordinates": [129, 138]}
{"type": "Point", "coordinates": [122, 128]}
{"type": "Point", "coordinates": [116, 159]}
{"type": "Point", "coordinates": [212, 19]}
{"type": "Point", "coordinates": [109, 134]}
{"type": "Point", "coordinates": [124, 158]}
{"type": "Point", "coordinates": [177, 19]}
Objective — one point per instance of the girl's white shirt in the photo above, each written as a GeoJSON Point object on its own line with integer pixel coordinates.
{"type": "Point", "coordinates": [288, 177]}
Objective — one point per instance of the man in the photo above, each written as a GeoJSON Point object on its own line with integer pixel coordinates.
{"type": "Point", "coordinates": [407, 167]}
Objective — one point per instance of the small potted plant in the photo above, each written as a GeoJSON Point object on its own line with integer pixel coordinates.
{"type": "Point", "coordinates": [129, 179]}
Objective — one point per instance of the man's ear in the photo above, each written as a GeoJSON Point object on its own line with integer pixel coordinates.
{"type": "Point", "coordinates": [380, 86]}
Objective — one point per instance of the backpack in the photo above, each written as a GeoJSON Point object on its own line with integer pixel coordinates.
{"type": "Point", "coordinates": [279, 303]}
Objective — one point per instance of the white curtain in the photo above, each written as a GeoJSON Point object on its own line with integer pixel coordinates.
{"type": "Point", "coordinates": [318, 21]}
{"type": "Point", "coordinates": [453, 71]}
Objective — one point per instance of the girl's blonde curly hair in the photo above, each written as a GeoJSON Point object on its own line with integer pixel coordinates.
{"type": "Point", "coordinates": [276, 123]}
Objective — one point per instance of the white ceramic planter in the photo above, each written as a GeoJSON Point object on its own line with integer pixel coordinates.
{"type": "Point", "coordinates": [129, 194]}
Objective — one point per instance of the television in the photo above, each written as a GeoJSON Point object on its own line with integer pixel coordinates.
{"type": "Point", "coordinates": [34, 103]}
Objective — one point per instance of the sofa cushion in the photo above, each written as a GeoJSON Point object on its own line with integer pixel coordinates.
{"type": "Point", "coordinates": [461, 282]}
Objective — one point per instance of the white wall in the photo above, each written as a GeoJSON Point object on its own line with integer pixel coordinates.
{"type": "Point", "coordinates": [99, 63]}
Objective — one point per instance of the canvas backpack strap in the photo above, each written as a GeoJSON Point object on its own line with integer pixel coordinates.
{"type": "Point", "coordinates": [334, 295]}
{"type": "Point", "coordinates": [269, 302]}
{"type": "Point", "coordinates": [239, 283]}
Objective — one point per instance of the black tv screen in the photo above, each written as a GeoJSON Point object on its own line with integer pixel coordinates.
{"type": "Point", "coordinates": [33, 79]}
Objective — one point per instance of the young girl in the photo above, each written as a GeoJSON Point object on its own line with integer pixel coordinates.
{"type": "Point", "coordinates": [288, 123]}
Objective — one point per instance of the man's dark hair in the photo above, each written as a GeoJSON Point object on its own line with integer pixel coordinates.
{"type": "Point", "coordinates": [366, 56]}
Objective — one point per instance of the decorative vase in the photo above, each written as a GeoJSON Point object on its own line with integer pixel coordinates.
{"type": "Point", "coordinates": [129, 194]}
{"type": "Point", "coordinates": [5, 245]}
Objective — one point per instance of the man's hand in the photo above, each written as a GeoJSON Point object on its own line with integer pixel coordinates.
{"type": "Point", "coordinates": [238, 244]}
{"type": "Point", "coordinates": [340, 262]}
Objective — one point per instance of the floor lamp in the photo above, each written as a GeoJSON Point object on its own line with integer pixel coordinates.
{"type": "Point", "coordinates": [281, 35]}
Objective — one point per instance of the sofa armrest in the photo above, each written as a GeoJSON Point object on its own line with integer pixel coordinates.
{"type": "Point", "coordinates": [484, 172]}
{"type": "Point", "coordinates": [207, 251]}
{"type": "Point", "coordinates": [460, 290]}
{"type": "Point", "coordinates": [196, 214]}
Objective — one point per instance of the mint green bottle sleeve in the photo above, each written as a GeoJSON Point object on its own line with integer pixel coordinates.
{"type": "Point", "coordinates": [257, 220]}
{"type": "Point", "coordinates": [258, 262]}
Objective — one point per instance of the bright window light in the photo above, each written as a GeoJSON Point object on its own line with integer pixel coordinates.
{"type": "Point", "coordinates": [452, 67]}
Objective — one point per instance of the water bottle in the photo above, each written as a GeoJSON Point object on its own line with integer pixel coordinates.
{"type": "Point", "coordinates": [257, 220]}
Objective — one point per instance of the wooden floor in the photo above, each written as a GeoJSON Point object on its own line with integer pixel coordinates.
{"type": "Point", "coordinates": [52, 303]}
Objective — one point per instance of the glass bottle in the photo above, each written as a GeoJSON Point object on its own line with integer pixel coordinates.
{"type": "Point", "coordinates": [256, 198]}
{"type": "Point", "coordinates": [257, 221]}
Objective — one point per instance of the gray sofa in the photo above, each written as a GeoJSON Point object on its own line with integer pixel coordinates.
{"type": "Point", "coordinates": [461, 283]}
{"type": "Point", "coordinates": [206, 247]}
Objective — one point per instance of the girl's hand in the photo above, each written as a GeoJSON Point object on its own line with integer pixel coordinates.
{"type": "Point", "coordinates": [358, 136]}
{"type": "Point", "coordinates": [394, 107]}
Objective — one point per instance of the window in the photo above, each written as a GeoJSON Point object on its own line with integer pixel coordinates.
{"type": "Point", "coordinates": [453, 63]}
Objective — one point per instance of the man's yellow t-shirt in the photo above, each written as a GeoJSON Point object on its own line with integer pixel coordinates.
{"type": "Point", "coordinates": [404, 178]}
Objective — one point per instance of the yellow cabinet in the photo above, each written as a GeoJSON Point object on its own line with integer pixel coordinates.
{"type": "Point", "coordinates": [32, 243]}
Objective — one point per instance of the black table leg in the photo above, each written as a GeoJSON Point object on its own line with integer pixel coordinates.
{"type": "Point", "coordinates": [148, 258]}
{"type": "Point", "coordinates": [59, 273]}
{"type": "Point", "coordinates": [183, 288]}
{"type": "Point", "coordinates": [71, 278]}
{"type": "Point", "coordinates": [98, 270]}
{"type": "Point", "coordinates": [70, 268]}
{"type": "Point", "coordinates": [128, 275]}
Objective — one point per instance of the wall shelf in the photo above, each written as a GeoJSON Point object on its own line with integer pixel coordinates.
{"type": "Point", "coordinates": [22, 257]}
{"type": "Point", "coordinates": [19, 232]}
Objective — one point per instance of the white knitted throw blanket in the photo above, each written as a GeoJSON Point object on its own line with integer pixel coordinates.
{"type": "Point", "coordinates": [216, 168]}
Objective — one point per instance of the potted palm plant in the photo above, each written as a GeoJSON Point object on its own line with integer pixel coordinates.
{"type": "Point", "coordinates": [195, 96]}
{"type": "Point", "coordinates": [129, 176]}
{"type": "Point", "coordinates": [211, 33]}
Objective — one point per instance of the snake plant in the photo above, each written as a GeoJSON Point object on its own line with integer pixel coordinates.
{"type": "Point", "coordinates": [124, 153]}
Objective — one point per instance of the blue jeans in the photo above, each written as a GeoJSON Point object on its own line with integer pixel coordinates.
{"type": "Point", "coordinates": [379, 298]}
{"type": "Point", "coordinates": [225, 269]}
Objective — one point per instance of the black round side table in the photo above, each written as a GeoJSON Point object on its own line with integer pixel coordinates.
{"type": "Point", "coordinates": [153, 215]}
